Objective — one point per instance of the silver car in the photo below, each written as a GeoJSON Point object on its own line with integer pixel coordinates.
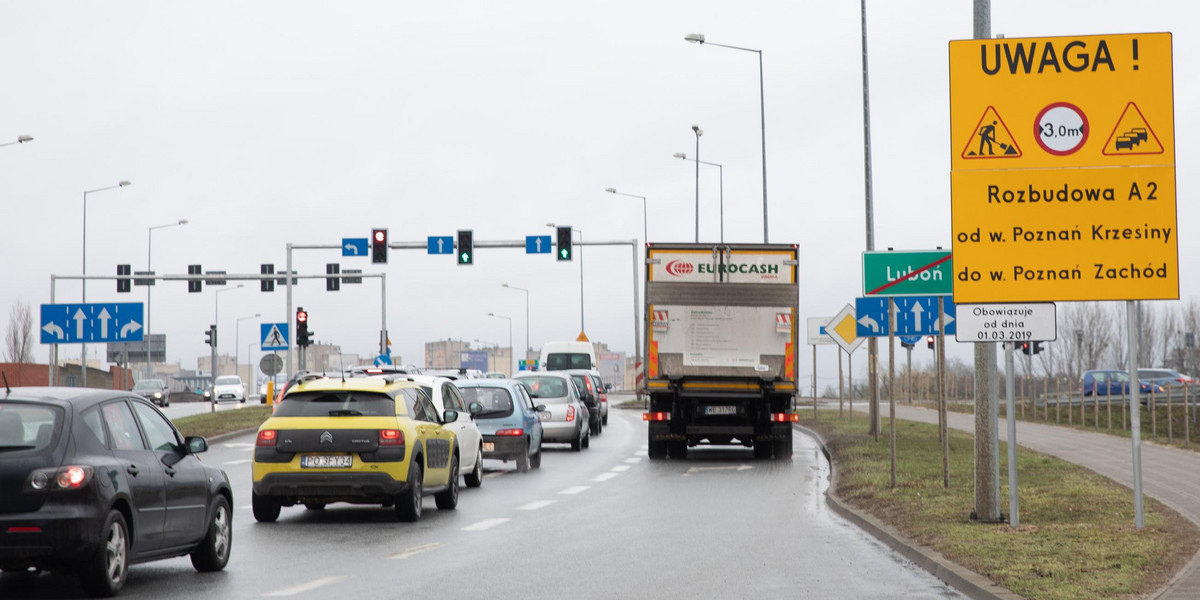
{"type": "Point", "coordinates": [565, 420]}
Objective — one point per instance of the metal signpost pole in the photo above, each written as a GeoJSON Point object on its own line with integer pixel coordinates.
{"type": "Point", "coordinates": [1014, 518]}
{"type": "Point", "coordinates": [1135, 411]}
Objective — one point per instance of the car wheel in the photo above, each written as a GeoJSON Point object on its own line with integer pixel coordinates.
{"type": "Point", "coordinates": [213, 552]}
{"type": "Point", "coordinates": [166, 403]}
{"type": "Point", "coordinates": [535, 461]}
{"type": "Point", "coordinates": [103, 573]}
{"type": "Point", "coordinates": [408, 504]}
{"type": "Point", "coordinates": [475, 477]}
{"type": "Point", "coordinates": [577, 443]}
{"type": "Point", "coordinates": [604, 420]}
{"type": "Point", "coordinates": [447, 499]}
{"type": "Point", "coordinates": [243, 399]}
{"type": "Point", "coordinates": [314, 505]}
{"type": "Point", "coordinates": [523, 462]}
{"type": "Point", "coordinates": [266, 509]}
{"type": "Point", "coordinates": [587, 439]}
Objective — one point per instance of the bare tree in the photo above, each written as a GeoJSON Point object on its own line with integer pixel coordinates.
{"type": "Point", "coordinates": [18, 340]}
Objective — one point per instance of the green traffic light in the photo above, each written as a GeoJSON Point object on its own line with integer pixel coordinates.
{"type": "Point", "coordinates": [465, 258]}
{"type": "Point", "coordinates": [565, 253]}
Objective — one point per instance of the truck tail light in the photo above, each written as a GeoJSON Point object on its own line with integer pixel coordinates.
{"type": "Point", "coordinates": [656, 416]}
{"type": "Point", "coordinates": [785, 417]}
{"type": "Point", "coordinates": [511, 432]}
{"type": "Point", "coordinates": [391, 437]}
{"type": "Point", "coordinates": [267, 437]}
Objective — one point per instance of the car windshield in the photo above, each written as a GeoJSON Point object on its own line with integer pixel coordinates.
{"type": "Point", "coordinates": [335, 404]}
{"type": "Point", "coordinates": [545, 387]}
{"type": "Point", "coordinates": [26, 426]}
{"type": "Point", "coordinates": [148, 384]}
{"type": "Point", "coordinates": [496, 401]}
{"type": "Point", "coordinates": [229, 380]}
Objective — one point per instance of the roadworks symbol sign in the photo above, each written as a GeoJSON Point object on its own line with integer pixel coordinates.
{"type": "Point", "coordinates": [991, 138]}
{"type": "Point", "coordinates": [1132, 135]}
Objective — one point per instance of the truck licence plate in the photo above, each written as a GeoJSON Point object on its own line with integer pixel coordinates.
{"type": "Point", "coordinates": [720, 410]}
{"type": "Point", "coordinates": [326, 462]}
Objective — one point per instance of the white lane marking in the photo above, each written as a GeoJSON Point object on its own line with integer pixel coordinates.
{"type": "Point", "coordinates": [238, 462]}
{"type": "Point", "coordinates": [485, 524]}
{"type": "Point", "coordinates": [494, 474]}
{"type": "Point", "coordinates": [307, 587]}
{"type": "Point", "coordinates": [248, 507]}
{"type": "Point", "coordinates": [415, 550]}
{"type": "Point", "coordinates": [738, 468]}
{"type": "Point", "coordinates": [536, 505]}
{"type": "Point", "coordinates": [633, 461]}
{"type": "Point", "coordinates": [620, 468]}
{"type": "Point", "coordinates": [605, 476]}
{"type": "Point", "coordinates": [238, 444]}
{"type": "Point", "coordinates": [575, 489]}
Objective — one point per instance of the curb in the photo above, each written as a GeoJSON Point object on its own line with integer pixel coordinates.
{"type": "Point", "coordinates": [221, 437]}
{"type": "Point", "coordinates": [960, 578]}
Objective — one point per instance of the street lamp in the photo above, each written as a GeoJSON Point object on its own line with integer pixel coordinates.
{"type": "Point", "coordinates": [83, 347]}
{"type": "Point", "coordinates": [217, 323]}
{"type": "Point", "coordinates": [21, 139]}
{"type": "Point", "coordinates": [237, 344]}
{"type": "Point", "coordinates": [698, 38]}
{"type": "Point", "coordinates": [721, 171]}
{"type": "Point", "coordinates": [527, 346]}
{"type": "Point", "coordinates": [509, 319]}
{"type": "Point", "coordinates": [645, 234]}
{"type": "Point", "coordinates": [699, 132]}
{"type": "Point", "coordinates": [580, 232]}
{"type": "Point", "coordinates": [149, 239]}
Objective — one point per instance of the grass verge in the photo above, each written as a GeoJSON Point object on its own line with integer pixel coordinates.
{"type": "Point", "coordinates": [1077, 537]}
{"type": "Point", "coordinates": [211, 424]}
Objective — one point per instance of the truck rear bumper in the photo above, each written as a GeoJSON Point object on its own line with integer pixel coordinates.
{"type": "Point", "coordinates": [661, 431]}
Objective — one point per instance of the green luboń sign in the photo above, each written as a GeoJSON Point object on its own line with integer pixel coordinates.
{"type": "Point", "coordinates": [908, 273]}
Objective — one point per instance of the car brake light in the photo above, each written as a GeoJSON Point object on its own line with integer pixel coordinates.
{"type": "Point", "coordinates": [785, 417]}
{"type": "Point", "coordinates": [24, 529]}
{"type": "Point", "coordinates": [511, 432]}
{"type": "Point", "coordinates": [391, 437]}
{"type": "Point", "coordinates": [656, 416]}
{"type": "Point", "coordinates": [570, 413]}
{"type": "Point", "coordinates": [68, 477]}
{"type": "Point", "coordinates": [267, 437]}
{"type": "Point", "coordinates": [72, 477]}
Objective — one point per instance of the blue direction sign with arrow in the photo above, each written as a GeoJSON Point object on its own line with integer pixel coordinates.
{"type": "Point", "coordinates": [440, 244]}
{"type": "Point", "coordinates": [91, 323]}
{"type": "Point", "coordinates": [538, 244]}
{"type": "Point", "coordinates": [915, 315]}
{"type": "Point", "coordinates": [355, 246]}
{"type": "Point", "coordinates": [274, 336]}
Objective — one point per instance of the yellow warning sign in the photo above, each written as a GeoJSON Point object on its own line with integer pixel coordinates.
{"type": "Point", "coordinates": [991, 138]}
{"type": "Point", "coordinates": [1132, 135]}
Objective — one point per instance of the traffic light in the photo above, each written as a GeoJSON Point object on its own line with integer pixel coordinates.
{"type": "Point", "coordinates": [124, 284]}
{"type": "Point", "coordinates": [1037, 347]}
{"type": "Point", "coordinates": [466, 247]}
{"type": "Point", "coordinates": [194, 285]}
{"type": "Point", "coordinates": [303, 336]}
{"type": "Point", "coordinates": [929, 342]}
{"type": "Point", "coordinates": [563, 241]}
{"type": "Point", "coordinates": [379, 245]}
{"type": "Point", "coordinates": [210, 336]}
{"type": "Point", "coordinates": [1026, 348]}
{"type": "Point", "coordinates": [266, 285]}
{"type": "Point", "coordinates": [333, 284]}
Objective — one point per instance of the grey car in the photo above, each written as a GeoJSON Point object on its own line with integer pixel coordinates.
{"type": "Point", "coordinates": [153, 390]}
{"type": "Point", "coordinates": [565, 419]}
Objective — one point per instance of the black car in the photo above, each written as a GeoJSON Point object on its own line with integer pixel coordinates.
{"type": "Point", "coordinates": [590, 396]}
{"type": "Point", "coordinates": [92, 481]}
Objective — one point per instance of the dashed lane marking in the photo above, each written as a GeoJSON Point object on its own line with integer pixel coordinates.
{"type": "Point", "coordinates": [485, 524]}
{"type": "Point", "coordinates": [633, 461]}
{"type": "Point", "coordinates": [415, 550]}
{"type": "Point", "coordinates": [307, 587]}
{"type": "Point", "coordinates": [605, 476]}
{"type": "Point", "coordinates": [620, 468]}
{"type": "Point", "coordinates": [536, 505]}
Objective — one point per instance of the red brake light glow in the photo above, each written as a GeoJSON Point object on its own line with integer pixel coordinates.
{"type": "Point", "coordinates": [24, 529]}
{"type": "Point", "coordinates": [570, 413]}
{"type": "Point", "coordinates": [510, 432]}
{"type": "Point", "coordinates": [656, 416]}
{"type": "Point", "coordinates": [785, 417]}
{"type": "Point", "coordinates": [267, 437]}
{"type": "Point", "coordinates": [391, 437]}
{"type": "Point", "coordinates": [71, 477]}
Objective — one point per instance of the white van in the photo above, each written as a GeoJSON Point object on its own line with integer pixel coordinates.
{"type": "Point", "coordinates": [560, 356]}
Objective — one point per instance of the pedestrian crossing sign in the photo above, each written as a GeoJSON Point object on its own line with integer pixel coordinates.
{"type": "Point", "coordinates": [274, 336]}
{"type": "Point", "coordinates": [991, 138]}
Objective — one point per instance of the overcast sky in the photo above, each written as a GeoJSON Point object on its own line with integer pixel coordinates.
{"type": "Point", "coordinates": [265, 123]}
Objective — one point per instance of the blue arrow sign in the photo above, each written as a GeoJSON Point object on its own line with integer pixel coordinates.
{"type": "Point", "coordinates": [355, 246]}
{"type": "Point", "coordinates": [915, 315]}
{"type": "Point", "coordinates": [98, 323]}
{"type": "Point", "coordinates": [537, 244]}
{"type": "Point", "coordinates": [910, 339]}
{"type": "Point", "coordinates": [274, 336]}
{"type": "Point", "coordinates": [441, 244]}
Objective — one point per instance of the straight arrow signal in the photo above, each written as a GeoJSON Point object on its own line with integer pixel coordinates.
{"type": "Point", "coordinates": [869, 323]}
{"type": "Point", "coordinates": [538, 243]}
{"type": "Point", "coordinates": [80, 318]}
{"type": "Point", "coordinates": [563, 252]}
{"type": "Point", "coordinates": [441, 242]}
{"type": "Point", "coordinates": [104, 317]}
{"type": "Point", "coordinates": [918, 311]}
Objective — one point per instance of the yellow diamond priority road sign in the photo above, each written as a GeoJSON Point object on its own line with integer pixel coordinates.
{"type": "Point", "coordinates": [1063, 169]}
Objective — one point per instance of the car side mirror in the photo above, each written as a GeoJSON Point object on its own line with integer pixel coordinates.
{"type": "Point", "coordinates": [540, 408]}
{"type": "Point", "coordinates": [196, 444]}
{"type": "Point", "coordinates": [475, 408]}
{"type": "Point", "coordinates": [449, 415]}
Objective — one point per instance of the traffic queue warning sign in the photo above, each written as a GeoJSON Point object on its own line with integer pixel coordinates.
{"type": "Point", "coordinates": [1083, 205]}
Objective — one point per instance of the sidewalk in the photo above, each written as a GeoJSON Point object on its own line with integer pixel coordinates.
{"type": "Point", "coordinates": [1170, 475]}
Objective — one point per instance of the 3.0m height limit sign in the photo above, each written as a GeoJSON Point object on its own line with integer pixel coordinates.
{"type": "Point", "coordinates": [1063, 169]}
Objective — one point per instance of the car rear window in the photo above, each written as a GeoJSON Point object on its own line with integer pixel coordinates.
{"type": "Point", "coordinates": [545, 387]}
{"type": "Point", "coordinates": [336, 403]}
{"type": "Point", "coordinates": [496, 401]}
{"type": "Point", "coordinates": [28, 427]}
{"type": "Point", "coordinates": [564, 361]}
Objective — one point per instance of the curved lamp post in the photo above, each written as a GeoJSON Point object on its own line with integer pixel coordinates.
{"type": "Point", "coordinates": [83, 347]}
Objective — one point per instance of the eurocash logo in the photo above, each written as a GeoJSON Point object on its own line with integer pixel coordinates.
{"type": "Point", "coordinates": [680, 268]}
{"type": "Point", "coordinates": [747, 269]}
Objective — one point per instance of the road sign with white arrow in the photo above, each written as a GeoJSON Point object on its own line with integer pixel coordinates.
{"type": "Point", "coordinates": [915, 315]}
{"type": "Point", "coordinates": [84, 323]}
{"type": "Point", "coordinates": [538, 244]}
{"type": "Point", "coordinates": [440, 244]}
{"type": "Point", "coordinates": [355, 246]}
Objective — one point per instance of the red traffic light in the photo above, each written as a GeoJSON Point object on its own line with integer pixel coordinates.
{"type": "Point", "coordinates": [301, 316]}
{"type": "Point", "coordinates": [380, 235]}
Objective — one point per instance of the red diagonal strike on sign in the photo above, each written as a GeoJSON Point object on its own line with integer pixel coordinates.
{"type": "Point", "coordinates": [910, 275]}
